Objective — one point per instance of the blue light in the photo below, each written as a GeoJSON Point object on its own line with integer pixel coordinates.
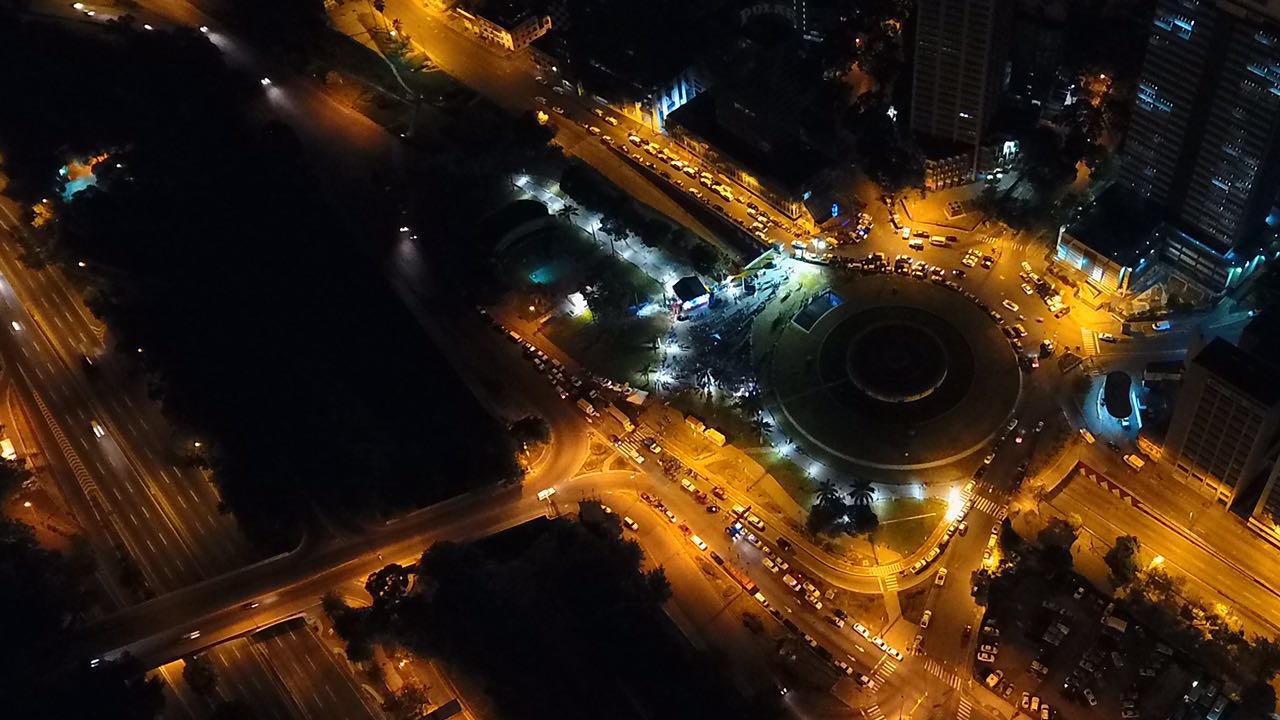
{"type": "Point", "coordinates": [835, 209]}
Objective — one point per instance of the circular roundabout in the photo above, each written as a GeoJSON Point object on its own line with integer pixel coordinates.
{"type": "Point", "coordinates": [888, 372]}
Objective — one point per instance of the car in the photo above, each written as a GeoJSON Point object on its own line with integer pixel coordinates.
{"type": "Point", "coordinates": [654, 447]}
{"type": "Point", "coordinates": [988, 648]}
{"type": "Point", "coordinates": [1089, 696]}
{"type": "Point", "coordinates": [810, 588]}
{"type": "Point", "coordinates": [1040, 426]}
{"type": "Point", "coordinates": [1011, 425]}
{"type": "Point", "coordinates": [540, 100]}
{"type": "Point", "coordinates": [1062, 313]}
{"type": "Point", "coordinates": [250, 605]}
{"type": "Point", "coordinates": [1161, 326]}
{"type": "Point", "coordinates": [718, 492]}
{"type": "Point", "coordinates": [540, 80]}
{"type": "Point", "coordinates": [1106, 337]}
{"type": "Point", "coordinates": [963, 529]}
{"type": "Point", "coordinates": [698, 542]}
{"type": "Point", "coordinates": [264, 81]}
{"type": "Point", "coordinates": [713, 509]}
{"type": "Point", "coordinates": [994, 678]}
{"type": "Point", "coordinates": [791, 582]}
{"type": "Point", "coordinates": [559, 90]}
{"type": "Point", "coordinates": [1010, 305]}
{"type": "Point", "coordinates": [893, 653]}
{"type": "Point", "coordinates": [843, 667]}
{"type": "Point", "coordinates": [770, 565]}
{"type": "Point", "coordinates": [879, 642]}
{"type": "Point", "coordinates": [987, 262]}
{"type": "Point", "coordinates": [635, 140]}
{"type": "Point", "coordinates": [836, 620]}
{"type": "Point", "coordinates": [862, 630]}
{"type": "Point", "coordinates": [1028, 290]}
{"type": "Point", "coordinates": [986, 658]}
{"type": "Point", "coordinates": [941, 577]}
{"type": "Point", "coordinates": [557, 110]}
{"type": "Point", "coordinates": [1130, 714]}
{"type": "Point", "coordinates": [630, 524]}
{"type": "Point", "coordinates": [191, 635]}
{"type": "Point", "coordinates": [987, 460]}
{"type": "Point", "coordinates": [1045, 712]}
{"type": "Point", "coordinates": [98, 430]}
{"type": "Point", "coordinates": [925, 618]}
{"type": "Point", "coordinates": [593, 129]}
{"type": "Point", "coordinates": [814, 601]}
{"type": "Point", "coordinates": [671, 517]}
{"type": "Point", "coordinates": [991, 631]}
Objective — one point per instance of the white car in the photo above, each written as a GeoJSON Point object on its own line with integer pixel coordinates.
{"type": "Point", "coordinates": [630, 524]}
{"type": "Point", "coordinates": [1028, 290]}
{"type": "Point", "coordinates": [941, 577]}
{"type": "Point", "coordinates": [862, 630]}
{"type": "Point", "coordinates": [98, 430]}
{"type": "Point", "coordinates": [1010, 305]}
{"type": "Point", "coordinates": [698, 542]}
{"type": "Point", "coordinates": [924, 619]}
{"type": "Point", "coordinates": [671, 517]}
{"type": "Point", "coordinates": [770, 565]}
{"type": "Point", "coordinates": [986, 658]}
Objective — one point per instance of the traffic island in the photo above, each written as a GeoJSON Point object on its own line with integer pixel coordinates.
{"type": "Point", "coordinates": [891, 373]}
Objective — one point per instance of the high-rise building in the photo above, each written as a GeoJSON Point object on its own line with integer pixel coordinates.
{"type": "Point", "coordinates": [1226, 422]}
{"type": "Point", "coordinates": [960, 53]}
{"type": "Point", "coordinates": [1205, 133]}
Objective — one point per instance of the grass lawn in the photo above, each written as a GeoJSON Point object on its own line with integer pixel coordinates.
{"type": "Point", "coordinates": [622, 352]}
{"type": "Point", "coordinates": [905, 523]}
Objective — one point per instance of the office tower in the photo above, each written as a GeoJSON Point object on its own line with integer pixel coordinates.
{"type": "Point", "coordinates": [960, 53]}
{"type": "Point", "coordinates": [1203, 138]}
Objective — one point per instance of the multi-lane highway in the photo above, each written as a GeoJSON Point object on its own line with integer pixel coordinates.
{"type": "Point", "coordinates": [113, 453]}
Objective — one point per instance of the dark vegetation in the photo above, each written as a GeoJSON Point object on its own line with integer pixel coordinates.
{"type": "Point", "coordinates": [263, 325]}
{"type": "Point", "coordinates": [556, 618]}
{"type": "Point", "coordinates": [46, 592]}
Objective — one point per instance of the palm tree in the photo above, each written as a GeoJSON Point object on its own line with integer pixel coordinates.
{"type": "Point", "coordinates": [762, 426]}
{"type": "Point", "coordinates": [861, 491]}
{"type": "Point", "coordinates": [567, 212]}
{"type": "Point", "coordinates": [827, 493]}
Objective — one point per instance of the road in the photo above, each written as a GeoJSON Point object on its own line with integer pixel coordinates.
{"type": "Point", "coordinates": [130, 487]}
{"type": "Point", "coordinates": [282, 672]}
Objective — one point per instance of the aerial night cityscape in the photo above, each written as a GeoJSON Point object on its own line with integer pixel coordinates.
{"type": "Point", "coordinates": [602, 360]}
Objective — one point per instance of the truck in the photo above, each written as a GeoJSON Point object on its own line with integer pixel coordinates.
{"type": "Point", "coordinates": [1135, 461]}
{"type": "Point", "coordinates": [587, 408]}
{"type": "Point", "coordinates": [621, 417]}
{"type": "Point", "coordinates": [695, 423]}
{"type": "Point", "coordinates": [740, 575]}
{"type": "Point", "coordinates": [715, 436]}
{"type": "Point", "coordinates": [6, 449]}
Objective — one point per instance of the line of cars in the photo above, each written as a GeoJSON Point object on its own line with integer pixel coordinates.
{"type": "Point", "coordinates": [958, 526]}
{"type": "Point", "coordinates": [759, 221]}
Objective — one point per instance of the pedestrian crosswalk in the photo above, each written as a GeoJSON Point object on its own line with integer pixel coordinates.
{"type": "Point", "coordinates": [880, 675]}
{"type": "Point", "coordinates": [941, 672]}
{"type": "Point", "coordinates": [990, 507]}
{"type": "Point", "coordinates": [873, 712]}
{"type": "Point", "coordinates": [1089, 342]}
{"type": "Point", "coordinates": [889, 583]}
{"type": "Point", "coordinates": [965, 709]}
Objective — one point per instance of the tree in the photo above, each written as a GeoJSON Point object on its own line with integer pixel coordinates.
{"type": "Point", "coordinates": [828, 511]}
{"type": "Point", "coordinates": [200, 674]}
{"type": "Point", "coordinates": [531, 430]}
{"type": "Point", "coordinates": [12, 474]}
{"type": "Point", "coordinates": [862, 520]}
{"type": "Point", "coordinates": [408, 702]}
{"type": "Point", "coordinates": [1258, 699]}
{"type": "Point", "coordinates": [615, 230]}
{"type": "Point", "coordinates": [861, 491]}
{"type": "Point", "coordinates": [388, 586]}
{"type": "Point", "coordinates": [567, 212]}
{"type": "Point", "coordinates": [1122, 560]}
{"type": "Point", "coordinates": [658, 584]}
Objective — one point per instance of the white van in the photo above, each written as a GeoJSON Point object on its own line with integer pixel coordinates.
{"type": "Point", "coordinates": [916, 244]}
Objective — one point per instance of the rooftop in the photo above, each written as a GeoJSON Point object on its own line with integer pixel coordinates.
{"type": "Point", "coordinates": [1246, 372]}
{"type": "Point", "coordinates": [1119, 224]}
{"type": "Point", "coordinates": [787, 163]}
{"type": "Point", "coordinates": [689, 288]}
{"type": "Point", "coordinates": [508, 14]}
